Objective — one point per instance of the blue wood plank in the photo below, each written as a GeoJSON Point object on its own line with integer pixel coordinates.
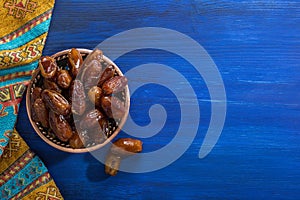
{"type": "Point", "coordinates": [255, 45]}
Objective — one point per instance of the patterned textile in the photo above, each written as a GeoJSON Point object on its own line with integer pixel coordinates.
{"type": "Point", "coordinates": [23, 32]}
{"type": "Point", "coordinates": [23, 174]}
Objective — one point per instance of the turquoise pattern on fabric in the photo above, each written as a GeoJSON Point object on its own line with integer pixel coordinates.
{"type": "Point", "coordinates": [22, 68]}
{"type": "Point", "coordinates": [27, 37]}
{"type": "Point", "coordinates": [16, 80]}
{"type": "Point", "coordinates": [8, 122]}
{"type": "Point", "coordinates": [32, 171]}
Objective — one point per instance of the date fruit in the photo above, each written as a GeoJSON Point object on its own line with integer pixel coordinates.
{"type": "Point", "coordinates": [91, 119]}
{"type": "Point", "coordinates": [121, 148]}
{"type": "Point", "coordinates": [76, 142]}
{"type": "Point", "coordinates": [113, 107]}
{"type": "Point", "coordinates": [106, 74]}
{"type": "Point", "coordinates": [96, 54]}
{"type": "Point", "coordinates": [64, 79]}
{"type": "Point", "coordinates": [41, 112]}
{"type": "Point", "coordinates": [95, 94]}
{"type": "Point", "coordinates": [112, 164]}
{"type": "Point", "coordinates": [126, 146]}
{"type": "Point", "coordinates": [48, 84]}
{"type": "Point", "coordinates": [91, 69]}
{"type": "Point", "coordinates": [60, 126]}
{"type": "Point", "coordinates": [75, 61]}
{"type": "Point", "coordinates": [56, 102]}
{"type": "Point", "coordinates": [92, 74]}
{"type": "Point", "coordinates": [114, 85]}
{"type": "Point", "coordinates": [48, 66]}
{"type": "Point", "coordinates": [77, 96]}
{"type": "Point", "coordinates": [36, 93]}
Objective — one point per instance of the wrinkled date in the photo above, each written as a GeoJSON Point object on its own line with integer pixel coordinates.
{"type": "Point", "coordinates": [77, 96]}
{"type": "Point", "coordinates": [75, 61]}
{"type": "Point", "coordinates": [112, 164]}
{"type": "Point", "coordinates": [91, 69]}
{"type": "Point", "coordinates": [121, 148]}
{"type": "Point", "coordinates": [36, 93]}
{"type": "Point", "coordinates": [113, 107]}
{"type": "Point", "coordinates": [94, 123]}
{"type": "Point", "coordinates": [126, 146]}
{"type": "Point", "coordinates": [41, 112]}
{"type": "Point", "coordinates": [108, 73]}
{"type": "Point", "coordinates": [64, 79]}
{"type": "Point", "coordinates": [97, 136]}
{"type": "Point", "coordinates": [48, 84]}
{"type": "Point", "coordinates": [56, 102]}
{"type": "Point", "coordinates": [91, 119]}
{"type": "Point", "coordinates": [95, 94]}
{"type": "Point", "coordinates": [97, 55]}
{"type": "Point", "coordinates": [48, 67]}
{"type": "Point", "coordinates": [60, 126]}
{"type": "Point", "coordinates": [76, 142]}
{"type": "Point", "coordinates": [114, 85]}
{"type": "Point", "coordinates": [91, 74]}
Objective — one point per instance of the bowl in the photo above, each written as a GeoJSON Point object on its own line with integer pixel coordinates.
{"type": "Point", "coordinates": [47, 135]}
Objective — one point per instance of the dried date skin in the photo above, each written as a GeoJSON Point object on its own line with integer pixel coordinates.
{"type": "Point", "coordinates": [50, 85]}
{"type": "Point", "coordinates": [75, 61]}
{"type": "Point", "coordinates": [96, 135]}
{"type": "Point", "coordinates": [91, 119]}
{"type": "Point", "coordinates": [103, 124]}
{"type": "Point", "coordinates": [92, 74]}
{"type": "Point", "coordinates": [121, 148]}
{"type": "Point", "coordinates": [113, 107]}
{"type": "Point", "coordinates": [95, 94]}
{"type": "Point", "coordinates": [36, 93]}
{"type": "Point", "coordinates": [126, 146]}
{"type": "Point", "coordinates": [41, 112]}
{"type": "Point", "coordinates": [100, 137]}
{"type": "Point", "coordinates": [106, 74]}
{"type": "Point", "coordinates": [86, 140]}
{"type": "Point", "coordinates": [56, 102]}
{"type": "Point", "coordinates": [48, 66]}
{"type": "Point", "coordinates": [76, 142]}
{"type": "Point", "coordinates": [91, 69]}
{"type": "Point", "coordinates": [78, 97]}
{"type": "Point", "coordinates": [96, 54]}
{"type": "Point", "coordinates": [64, 79]}
{"type": "Point", "coordinates": [114, 85]}
{"type": "Point", "coordinates": [60, 126]}
{"type": "Point", "coordinates": [112, 164]}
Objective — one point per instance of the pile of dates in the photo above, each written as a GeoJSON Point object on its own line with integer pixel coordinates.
{"type": "Point", "coordinates": [60, 100]}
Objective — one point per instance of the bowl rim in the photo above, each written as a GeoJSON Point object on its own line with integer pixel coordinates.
{"type": "Point", "coordinates": [70, 149]}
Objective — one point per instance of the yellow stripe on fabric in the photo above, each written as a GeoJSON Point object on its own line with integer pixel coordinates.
{"type": "Point", "coordinates": [24, 54]}
{"type": "Point", "coordinates": [15, 149]}
{"type": "Point", "coordinates": [15, 13]}
{"type": "Point", "coordinates": [46, 191]}
{"type": "Point", "coordinates": [23, 29]}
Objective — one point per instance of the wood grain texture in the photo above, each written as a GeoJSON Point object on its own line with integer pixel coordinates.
{"type": "Point", "coordinates": [255, 45]}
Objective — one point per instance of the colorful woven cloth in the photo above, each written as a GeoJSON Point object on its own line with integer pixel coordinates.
{"type": "Point", "coordinates": [23, 174]}
{"type": "Point", "coordinates": [23, 32]}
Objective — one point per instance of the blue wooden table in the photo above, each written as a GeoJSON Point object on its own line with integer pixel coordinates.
{"type": "Point", "coordinates": [256, 47]}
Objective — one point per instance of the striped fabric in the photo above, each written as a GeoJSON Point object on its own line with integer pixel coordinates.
{"type": "Point", "coordinates": [23, 32]}
{"type": "Point", "coordinates": [23, 174]}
